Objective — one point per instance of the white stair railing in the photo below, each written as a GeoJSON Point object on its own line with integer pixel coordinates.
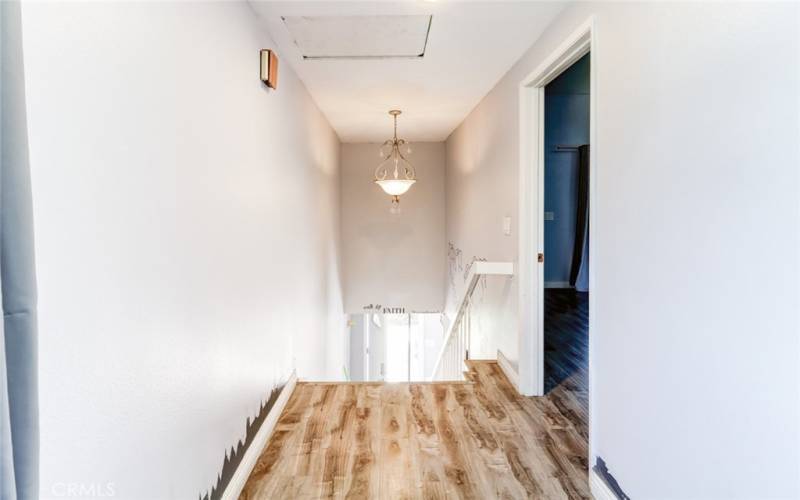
{"type": "Point", "coordinates": [455, 349]}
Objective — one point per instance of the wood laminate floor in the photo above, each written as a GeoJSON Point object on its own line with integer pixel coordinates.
{"type": "Point", "coordinates": [475, 439]}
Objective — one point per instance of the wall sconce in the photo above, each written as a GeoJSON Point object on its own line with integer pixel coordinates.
{"type": "Point", "coordinates": [269, 68]}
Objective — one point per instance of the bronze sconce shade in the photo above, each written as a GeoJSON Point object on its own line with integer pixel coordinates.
{"type": "Point", "coordinates": [269, 68]}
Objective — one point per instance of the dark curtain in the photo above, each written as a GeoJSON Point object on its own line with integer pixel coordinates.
{"type": "Point", "coordinates": [19, 401]}
{"type": "Point", "coordinates": [578, 277]}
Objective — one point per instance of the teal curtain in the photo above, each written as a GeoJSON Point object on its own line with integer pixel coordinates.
{"type": "Point", "coordinates": [19, 404]}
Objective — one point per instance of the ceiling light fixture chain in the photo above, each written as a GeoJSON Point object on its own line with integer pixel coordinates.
{"type": "Point", "coordinates": [395, 174]}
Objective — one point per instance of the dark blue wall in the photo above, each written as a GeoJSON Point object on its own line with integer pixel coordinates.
{"type": "Point", "coordinates": [566, 122]}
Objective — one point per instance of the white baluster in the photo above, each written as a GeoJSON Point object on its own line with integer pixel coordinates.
{"type": "Point", "coordinates": [469, 328]}
{"type": "Point", "coordinates": [447, 364]}
{"type": "Point", "coordinates": [462, 344]}
{"type": "Point", "coordinates": [458, 346]}
{"type": "Point", "coordinates": [454, 357]}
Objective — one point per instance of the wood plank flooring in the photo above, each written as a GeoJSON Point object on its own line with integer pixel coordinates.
{"type": "Point", "coordinates": [566, 339]}
{"type": "Point", "coordinates": [474, 440]}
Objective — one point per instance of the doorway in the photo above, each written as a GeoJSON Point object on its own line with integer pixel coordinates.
{"type": "Point", "coordinates": [531, 215]}
{"type": "Point", "coordinates": [566, 230]}
{"type": "Point", "coordinates": [557, 308]}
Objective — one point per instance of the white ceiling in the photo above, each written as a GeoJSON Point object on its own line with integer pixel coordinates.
{"type": "Point", "coordinates": [470, 46]}
{"type": "Point", "coordinates": [359, 36]}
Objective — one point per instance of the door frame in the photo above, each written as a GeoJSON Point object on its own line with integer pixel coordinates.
{"type": "Point", "coordinates": [531, 202]}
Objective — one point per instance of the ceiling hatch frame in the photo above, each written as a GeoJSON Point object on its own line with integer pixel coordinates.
{"type": "Point", "coordinates": [362, 56]}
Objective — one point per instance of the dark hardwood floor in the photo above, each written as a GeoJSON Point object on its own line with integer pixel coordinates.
{"type": "Point", "coordinates": [566, 339]}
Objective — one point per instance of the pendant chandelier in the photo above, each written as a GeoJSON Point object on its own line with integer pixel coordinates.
{"type": "Point", "coordinates": [395, 175]}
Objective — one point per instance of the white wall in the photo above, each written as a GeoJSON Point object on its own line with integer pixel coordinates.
{"type": "Point", "coordinates": [694, 351]}
{"type": "Point", "coordinates": [393, 260]}
{"type": "Point", "coordinates": [186, 230]}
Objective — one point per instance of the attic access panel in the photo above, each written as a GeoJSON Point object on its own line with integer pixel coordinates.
{"type": "Point", "coordinates": [360, 37]}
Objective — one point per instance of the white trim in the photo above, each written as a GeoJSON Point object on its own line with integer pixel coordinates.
{"type": "Point", "coordinates": [599, 488]}
{"type": "Point", "coordinates": [508, 369]}
{"type": "Point", "coordinates": [531, 202]}
{"type": "Point", "coordinates": [557, 284]}
{"type": "Point", "coordinates": [240, 475]}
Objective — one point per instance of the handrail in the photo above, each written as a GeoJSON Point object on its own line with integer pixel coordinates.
{"type": "Point", "coordinates": [454, 351]}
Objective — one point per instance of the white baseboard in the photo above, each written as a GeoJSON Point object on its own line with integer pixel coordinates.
{"type": "Point", "coordinates": [508, 369]}
{"type": "Point", "coordinates": [557, 284]}
{"type": "Point", "coordinates": [239, 478]}
{"type": "Point", "coordinates": [599, 488]}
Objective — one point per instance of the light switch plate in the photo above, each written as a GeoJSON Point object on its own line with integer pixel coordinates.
{"type": "Point", "coordinates": [549, 216]}
{"type": "Point", "coordinates": [507, 225]}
